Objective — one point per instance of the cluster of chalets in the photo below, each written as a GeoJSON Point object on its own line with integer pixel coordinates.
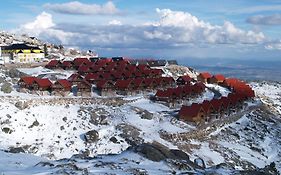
{"type": "Point", "coordinates": [107, 76]}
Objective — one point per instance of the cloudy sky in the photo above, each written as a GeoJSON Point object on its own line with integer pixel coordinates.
{"type": "Point", "coordinates": [230, 29]}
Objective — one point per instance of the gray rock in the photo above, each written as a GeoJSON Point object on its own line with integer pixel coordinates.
{"type": "Point", "coordinates": [98, 119]}
{"type": "Point", "coordinates": [130, 133]}
{"type": "Point", "coordinates": [21, 105]}
{"type": "Point", "coordinates": [35, 123]}
{"type": "Point", "coordinates": [16, 150]}
{"type": "Point", "coordinates": [7, 130]}
{"type": "Point", "coordinates": [150, 152]}
{"type": "Point", "coordinates": [6, 88]}
{"type": "Point", "coordinates": [91, 136]}
{"type": "Point", "coordinates": [158, 152]}
{"type": "Point", "coordinates": [113, 139]}
{"type": "Point", "coordinates": [180, 154]}
{"type": "Point", "coordinates": [14, 73]}
{"type": "Point", "coordinates": [146, 115]}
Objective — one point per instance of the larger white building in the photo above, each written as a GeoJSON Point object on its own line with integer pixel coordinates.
{"type": "Point", "coordinates": [21, 53]}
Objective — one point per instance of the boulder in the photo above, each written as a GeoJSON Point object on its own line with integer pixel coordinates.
{"type": "Point", "coordinates": [91, 136]}
{"type": "Point", "coordinates": [146, 115]}
{"type": "Point", "coordinates": [158, 152]}
{"type": "Point", "coordinates": [179, 154]}
{"type": "Point", "coordinates": [113, 139]}
{"type": "Point", "coordinates": [16, 150]}
{"type": "Point", "coordinates": [6, 88]}
{"type": "Point", "coordinates": [21, 105]}
{"type": "Point", "coordinates": [150, 152]}
{"type": "Point", "coordinates": [97, 119]}
{"type": "Point", "coordinates": [130, 133]}
{"type": "Point", "coordinates": [7, 130]}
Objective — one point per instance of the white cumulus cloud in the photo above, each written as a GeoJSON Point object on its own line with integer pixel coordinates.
{"type": "Point", "coordinates": [115, 22]}
{"type": "Point", "coordinates": [173, 29]}
{"type": "Point", "coordinates": [78, 8]}
{"type": "Point", "coordinates": [42, 21]}
{"type": "Point", "coordinates": [265, 20]}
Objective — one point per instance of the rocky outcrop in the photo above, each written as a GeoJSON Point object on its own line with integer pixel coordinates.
{"type": "Point", "coordinates": [130, 133]}
{"type": "Point", "coordinates": [158, 152]}
{"type": "Point", "coordinates": [91, 136]}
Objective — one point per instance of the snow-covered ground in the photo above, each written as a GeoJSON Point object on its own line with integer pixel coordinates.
{"type": "Point", "coordinates": [270, 93]}
{"type": "Point", "coordinates": [50, 128]}
{"type": "Point", "coordinates": [46, 73]}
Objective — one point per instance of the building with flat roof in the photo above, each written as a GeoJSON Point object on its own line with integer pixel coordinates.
{"type": "Point", "coordinates": [21, 53]}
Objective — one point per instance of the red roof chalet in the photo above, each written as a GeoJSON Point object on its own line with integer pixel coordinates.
{"type": "Point", "coordinates": [219, 78]}
{"type": "Point", "coordinates": [185, 79]}
{"type": "Point", "coordinates": [193, 113]}
{"type": "Point", "coordinates": [75, 78]}
{"type": "Point", "coordinates": [156, 72]}
{"type": "Point", "coordinates": [84, 86]}
{"type": "Point", "coordinates": [122, 84]}
{"type": "Point", "coordinates": [105, 85]}
{"type": "Point", "coordinates": [218, 105]}
{"type": "Point", "coordinates": [198, 87]}
{"type": "Point", "coordinates": [67, 65]}
{"type": "Point", "coordinates": [138, 83]}
{"type": "Point", "coordinates": [92, 77]}
{"type": "Point", "coordinates": [62, 84]}
{"type": "Point", "coordinates": [207, 106]}
{"type": "Point", "coordinates": [53, 64]}
{"type": "Point", "coordinates": [162, 95]}
{"type": "Point", "coordinates": [26, 82]}
{"type": "Point", "coordinates": [204, 76]}
{"type": "Point", "coordinates": [80, 61]}
{"type": "Point", "coordinates": [168, 81]}
{"type": "Point", "coordinates": [42, 84]}
{"type": "Point", "coordinates": [83, 69]}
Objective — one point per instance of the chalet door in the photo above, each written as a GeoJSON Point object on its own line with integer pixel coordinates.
{"type": "Point", "coordinates": [74, 90]}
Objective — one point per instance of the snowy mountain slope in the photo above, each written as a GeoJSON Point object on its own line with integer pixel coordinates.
{"type": "Point", "coordinates": [54, 128]}
{"type": "Point", "coordinates": [270, 94]}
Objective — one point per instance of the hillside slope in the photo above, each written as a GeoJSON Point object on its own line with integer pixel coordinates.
{"type": "Point", "coordinates": [53, 128]}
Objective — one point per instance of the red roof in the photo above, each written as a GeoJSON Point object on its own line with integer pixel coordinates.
{"type": "Point", "coordinates": [104, 83]}
{"type": "Point", "coordinates": [75, 77]}
{"type": "Point", "coordinates": [79, 61]}
{"type": "Point", "coordinates": [177, 92]}
{"type": "Point", "coordinates": [168, 80]}
{"type": "Point", "coordinates": [64, 83]}
{"type": "Point", "coordinates": [53, 63]}
{"type": "Point", "coordinates": [67, 64]}
{"type": "Point", "coordinates": [28, 80]}
{"type": "Point", "coordinates": [103, 62]}
{"type": "Point", "coordinates": [198, 87]}
{"type": "Point", "coordinates": [205, 75]}
{"type": "Point", "coordinates": [161, 93]}
{"type": "Point", "coordinates": [136, 82]}
{"type": "Point", "coordinates": [91, 77]}
{"type": "Point", "coordinates": [185, 78]}
{"type": "Point", "coordinates": [187, 90]}
{"type": "Point", "coordinates": [231, 81]}
{"type": "Point", "coordinates": [219, 77]}
{"type": "Point", "coordinates": [122, 84]}
{"type": "Point", "coordinates": [217, 104]}
{"type": "Point", "coordinates": [148, 81]}
{"type": "Point", "coordinates": [206, 105]}
{"type": "Point", "coordinates": [156, 72]}
{"type": "Point", "coordinates": [83, 69]}
{"type": "Point", "coordinates": [43, 83]}
{"type": "Point", "coordinates": [225, 101]}
{"type": "Point", "coordinates": [142, 67]}
{"type": "Point", "coordinates": [131, 68]}
{"type": "Point", "coordinates": [190, 111]}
